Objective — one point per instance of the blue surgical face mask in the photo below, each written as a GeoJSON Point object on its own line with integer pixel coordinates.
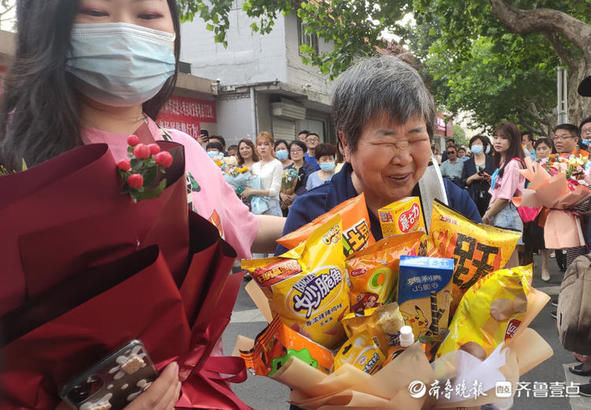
{"type": "Point", "coordinates": [282, 154]}
{"type": "Point", "coordinates": [585, 142]}
{"type": "Point", "coordinates": [120, 64]}
{"type": "Point", "coordinates": [327, 166]}
{"type": "Point", "coordinates": [488, 149]}
{"type": "Point", "coordinates": [476, 149]}
{"type": "Point", "coordinates": [215, 154]}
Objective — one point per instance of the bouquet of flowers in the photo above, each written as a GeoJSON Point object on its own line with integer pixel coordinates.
{"type": "Point", "coordinates": [289, 180]}
{"type": "Point", "coordinates": [559, 185]}
{"type": "Point", "coordinates": [240, 177]}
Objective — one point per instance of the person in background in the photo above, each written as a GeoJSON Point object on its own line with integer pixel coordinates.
{"type": "Point", "coordinates": [297, 150]}
{"type": "Point", "coordinates": [232, 150]}
{"type": "Point", "coordinates": [289, 175]}
{"type": "Point", "coordinates": [436, 153]}
{"type": "Point", "coordinates": [282, 153]}
{"type": "Point", "coordinates": [565, 138]}
{"type": "Point", "coordinates": [302, 135]}
{"type": "Point", "coordinates": [453, 167]}
{"type": "Point", "coordinates": [214, 150]}
{"type": "Point", "coordinates": [203, 138]}
{"type": "Point", "coordinates": [462, 154]}
{"type": "Point", "coordinates": [221, 141]}
{"type": "Point", "coordinates": [507, 182]}
{"type": "Point", "coordinates": [247, 154]}
{"type": "Point", "coordinates": [448, 143]}
{"type": "Point", "coordinates": [477, 171]}
{"type": "Point", "coordinates": [528, 145]}
{"type": "Point", "coordinates": [325, 154]}
{"type": "Point", "coordinates": [269, 169]}
{"type": "Point", "coordinates": [340, 158]}
{"type": "Point", "coordinates": [585, 129]}
{"type": "Point", "coordinates": [312, 141]}
{"type": "Point", "coordinates": [533, 233]}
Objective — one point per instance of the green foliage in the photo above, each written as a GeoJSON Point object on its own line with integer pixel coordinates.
{"type": "Point", "coordinates": [459, 135]}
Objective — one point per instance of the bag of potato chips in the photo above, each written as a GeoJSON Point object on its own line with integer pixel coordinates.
{"type": "Point", "coordinates": [403, 216]}
{"type": "Point", "coordinates": [307, 286]}
{"type": "Point", "coordinates": [356, 226]}
{"type": "Point", "coordinates": [490, 312]}
{"type": "Point", "coordinates": [477, 249]}
{"type": "Point", "coordinates": [373, 272]}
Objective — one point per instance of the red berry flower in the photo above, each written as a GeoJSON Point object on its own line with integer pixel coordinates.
{"type": "Point", "coordinates": [154, 149]}
{"type": "Point", "coordinates": [133, 140]}
{"type": "Point", "coordinates": [124, 165]}
{"type": "Point", "coordinates": [164, 159]}
{"type": "Point", "coordinates": [141, 151]}
{"type": "Point", "coordinates": [135, 181]}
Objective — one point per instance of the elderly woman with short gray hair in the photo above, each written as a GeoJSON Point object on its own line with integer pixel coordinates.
{"type": "Point", "coordinates": [384, 116]}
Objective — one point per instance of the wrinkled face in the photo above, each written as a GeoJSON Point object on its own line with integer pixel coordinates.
{"type": "Point", "coordinates": [312, 141]}
{"type": "Point", "coordinates": [390, 158]}
{"type": "Point", "coordinates": [501, 143]}
{"type": "Point", "coordinates": [543, 151]}
{"type": "Point", "coordinates": [296, 153]}
{"type": "Point", "coordinates": [564, 141]}
{"type": "Point", "coordinates": [154, 14]}
{"type": "Point", "coordinates": [245, 151]}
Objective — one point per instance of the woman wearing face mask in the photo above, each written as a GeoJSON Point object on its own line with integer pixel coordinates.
{"type": "Point", "coordinates": [270, 171]}
{"type": "Point", "coordinates": [96, 71]}
{"type": "Point", "coordinates": [506, 182]}
{"type": "Point", "coordinates": [477, 172]}
{"type": "Point", "coordinates": [289, 177]}
{"type": "Point", "coordinates": [325, 155]}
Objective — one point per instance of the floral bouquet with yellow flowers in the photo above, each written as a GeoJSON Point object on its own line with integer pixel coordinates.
{"type": "Point", "coordinates": [240, 177]}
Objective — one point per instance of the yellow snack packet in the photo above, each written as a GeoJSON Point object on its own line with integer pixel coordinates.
{"type": "Point", "coordinates": [373, 272]}
{"type": "Point", "coordinates": [403, 216]}
{"type": "Point", "coordinates": [307, 285]}
{"type": "Point", "coordinates": [476, 249]}
{"type": "Point", "coordinates": [382, 324]}
{"type": "Point", "coordinates": [490, 312]}
{"type": "Point", "coordinates": [361, 352]}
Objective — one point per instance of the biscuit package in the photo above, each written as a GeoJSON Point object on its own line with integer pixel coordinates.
{"type": "Point", "coordinates": [382, 324]}
{"type": "Point", "coordinates": [477, 249]}
{"type": "Point", "coordinates": [373, 272]}
{"type": "Point", "coordinates": [361, 352]}
{"type": "Point", "coordinates": [402, 216]}
{"type": "Point", "coordinates": [278, 343]}
{"type": "Point", "coordinates": [424, 295]}
{"type": "Point", "coordinates": [356, 226]}
{"type": "Point", "coordinates": [489, 313]}
{"type": "Point", "coordinates": [307, 286]}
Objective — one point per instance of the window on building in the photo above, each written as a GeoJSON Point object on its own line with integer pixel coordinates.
{"type": "Point", "coordinates": [305, 38]}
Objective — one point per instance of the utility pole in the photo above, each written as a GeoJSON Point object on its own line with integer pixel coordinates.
{"type": "Point", "coordinates": [562, 94]}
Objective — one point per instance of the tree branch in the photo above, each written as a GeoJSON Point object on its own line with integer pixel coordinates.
{"type": "Point", "coordinates": [544, 21]}
{"type": "Point", "coordinates": [562, 52]}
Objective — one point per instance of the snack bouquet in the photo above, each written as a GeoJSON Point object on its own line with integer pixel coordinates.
{"type": "Point", "coordinates": [87, 268]}
{"type": "Point", "coordinates": [559, 185]}
{"type": "Point", "coordinates": [342, 328]}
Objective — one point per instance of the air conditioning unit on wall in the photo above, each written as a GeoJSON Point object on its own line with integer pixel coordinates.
{"type": "Point", "coordinates": [289, 111]}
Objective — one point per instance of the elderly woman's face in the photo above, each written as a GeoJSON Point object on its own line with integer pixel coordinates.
{"type": "Point", "coordinates": [390, 159]}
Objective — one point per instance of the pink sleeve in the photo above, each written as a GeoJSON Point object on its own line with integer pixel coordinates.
{"type": "Point", "coordinates": [216, 198]}
{"type": "Point", "coordinates": [512, 182]}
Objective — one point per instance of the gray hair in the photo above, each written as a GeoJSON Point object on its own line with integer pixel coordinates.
{"type": "Point", "coordinates": [377, 86]}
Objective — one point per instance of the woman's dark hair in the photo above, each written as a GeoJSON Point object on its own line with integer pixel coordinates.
{"type": "Point", "coordinates": [544, 140]}
{"type": "Point", "coordinates": [299, 144]}
{"type": "Point", "coordinates": [39, 114]}
{"type": "Point", "coordinates": [215, 145]}
{"type": "Point", "coordinates": [280, 142]}
{"type": "Point", "coordinates": [322, 150]}
{"type": "Point", "coordinates": [483, 140]}
{"type": "Point", "coordinates": [509, 131]}
{"type": "Point", "coordinates": [248, 142]}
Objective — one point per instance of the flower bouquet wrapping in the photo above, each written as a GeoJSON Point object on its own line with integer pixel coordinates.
{"type": "Point", "coordinates": [289, 180]}
{"type": "Point", "coordinates": [240, 177]}
{"type": "Point", "coordinates": [455, 364]}
{"type": "Point", "coordinates": [87, 269]}
{"type": "Point", "coordinates": [558, 185]}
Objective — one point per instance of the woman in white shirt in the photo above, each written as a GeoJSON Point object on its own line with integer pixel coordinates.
{"type": "Point", "coordinates": [270, 171]}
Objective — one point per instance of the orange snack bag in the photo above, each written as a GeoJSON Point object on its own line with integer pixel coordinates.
{"type": "Point", "coordinates": [373, 272]}
{"type": "Point", "coordinates": [476, 249]}
{"type": "Point", "coordinates": [356, 226]}
{"type": "Point", "coordinates": [277, 343]}
{"type": "Point", "coordinates": [402, 216]}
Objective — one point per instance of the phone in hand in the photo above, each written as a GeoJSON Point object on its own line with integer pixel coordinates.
{"type": "Point", "coordinates": [113, 382]}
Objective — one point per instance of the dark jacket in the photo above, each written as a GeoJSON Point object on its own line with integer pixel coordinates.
{"type": "Point", "coordinates": [478, 190]}
{"type": "Point", "coordinates": [340, 188]}
{"type": "Point", "coordinates": [303, 174]}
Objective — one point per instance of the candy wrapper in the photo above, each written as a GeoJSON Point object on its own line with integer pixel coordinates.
{"type": "Point", "coordinates": [382, 324]}
{"type": "Point", "coordinates": [307, 286]}
{"type": "Point", "coordinates": [557, 193]}
{"type": "Point", "coordinates": [489, 313]}
{"type": "Point", "coordinates": [402, 216]}
{"type": "Point", "coordinates": [373, 272]}
{"type": "Point", "coordinates": [356, 226]}
{"type": "Point", "coordinates": [362, 352]}
{"type": "Point", "coordinates": [476, 249]}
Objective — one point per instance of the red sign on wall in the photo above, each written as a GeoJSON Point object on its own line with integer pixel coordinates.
{"type": "Point", "coordinates": [185, 114]}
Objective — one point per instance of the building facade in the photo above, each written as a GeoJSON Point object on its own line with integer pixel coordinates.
{"type": "Point", "coordinates": [261, 82]}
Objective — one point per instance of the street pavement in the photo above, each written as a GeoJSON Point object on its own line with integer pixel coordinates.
{"type": "Point", "coordinates": [263, 393]}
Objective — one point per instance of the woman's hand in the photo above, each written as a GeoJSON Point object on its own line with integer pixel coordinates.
{"type": "Point", "coordinates": [246, 193]}
{"type": "Point", "coordinates": [475, 177]}
{"type": "Point", "coordinates": [486, 219]}
{"type": "Point", "coordinates": [162, 394]}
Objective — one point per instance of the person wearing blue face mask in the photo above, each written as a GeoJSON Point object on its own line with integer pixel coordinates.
{"type": "Point", "coordinates": [477, 171]}
{"type": "Point", "coordinates": [585, 129]}
{"type": "Point", "coordinates": [215, 150]}
{"type": "Point", "coordinates": [325, 155]}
